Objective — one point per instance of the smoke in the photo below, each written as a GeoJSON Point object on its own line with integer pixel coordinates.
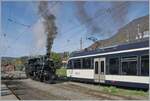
{"type": "Point", "coordinates": [49, 24]}
{"type": "Point", "coordinates": [104, 19]}
{"type": "Point", "coordinates": [83, 17]}
{"type": "Point", "coordinates": [119, 11]}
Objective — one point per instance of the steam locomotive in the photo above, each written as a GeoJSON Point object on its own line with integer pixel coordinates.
{"type": "Point", "coordinates": [41, 69]}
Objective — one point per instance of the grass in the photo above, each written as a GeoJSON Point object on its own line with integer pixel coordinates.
{"type": "Point", "coordinates": [61, 72]}
{"type": "Point", "coordinates": [111, 89]}
{"type": "Point", "coordinates": [125, 92]}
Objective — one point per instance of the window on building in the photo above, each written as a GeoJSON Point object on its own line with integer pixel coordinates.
{"type": "Point", "coordinates": [145, 65]}
{"type": "Point", "coordinates": [129, 65]}
{"type": "Point", "coordinates": [96, 67]}
{"type": "Point", "coordinates": [114, 66]}
{"type": "Point", "coordinates": [87, 63]}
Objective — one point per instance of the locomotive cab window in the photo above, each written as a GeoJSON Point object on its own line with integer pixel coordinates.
{"type": "Point", "coordinates": [52, 64]}
{"type": "Point", "coordinates": [145, 65]}
{"type": "Point", "coordinates": [129, 65]}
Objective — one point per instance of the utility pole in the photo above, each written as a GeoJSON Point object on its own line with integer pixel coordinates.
{"type": "Point", "coordinates": [139, 36]}
{"type": "Point", "coordinates": [128, 39]}
{"type": "Point", "coordinates": [81, 43]}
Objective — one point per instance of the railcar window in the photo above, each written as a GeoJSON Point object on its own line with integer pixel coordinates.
{"type": "Point", "coordinates": [96, 67]}
{"type": "Point", "coordinates": [129, 65]}
{"type": "Point", "coordinates": [77, 63]}
{"type": "Point", "coordinates": [145, 65]}
{"type": "Point", "coordinates": [92, 63]}
{"type": "Point", "coordinates": [70, 64]}
{"type": "Point", "coordinates": [102, 66]}
{"type": "Point", "coordinates": [87, 64]}
{"type": "Point", "coordinates": [114, 66]}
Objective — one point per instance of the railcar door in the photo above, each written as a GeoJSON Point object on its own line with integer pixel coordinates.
{"type": "Point", "coordinates": [96, 70]}
{"type": "Point", "coordinates": [102, 70]}
{"type": "Point", "coordinates": [99, 70]}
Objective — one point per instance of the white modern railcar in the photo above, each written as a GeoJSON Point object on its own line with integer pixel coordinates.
{"type": "Point", "coordinates": [122, 65]}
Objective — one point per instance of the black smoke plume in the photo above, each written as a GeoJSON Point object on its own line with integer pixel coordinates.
{"type": "Point", "coordinates": [49, 24]}
{"type": "Point", "coordinates": [104, 19]}
{"type": "Point", "coordinates": [85, 19]}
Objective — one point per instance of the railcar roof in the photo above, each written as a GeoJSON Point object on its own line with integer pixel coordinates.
{"type": "Point", "coordinates": [126, 46]}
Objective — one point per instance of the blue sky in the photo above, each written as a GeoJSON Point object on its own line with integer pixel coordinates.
{"type": "Point", "coordinates": [18, 40]}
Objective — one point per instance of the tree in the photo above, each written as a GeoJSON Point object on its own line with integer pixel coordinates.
{"type": "Point", "coordinates": [19, 64]}
{"type": "Point", "coordinates": [65, 56]}
{"type": "Point", "coordinates": [57, 59]}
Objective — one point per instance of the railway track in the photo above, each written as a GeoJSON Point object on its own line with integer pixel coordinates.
{"type": "Point", "coordinates": [97, 94]}
{"type": "Point", "coordinates": [23, 91]}
{"type": "Point", "coordinates": [13, 92]}
{"type": "Point", "coordinates": [34, 90]}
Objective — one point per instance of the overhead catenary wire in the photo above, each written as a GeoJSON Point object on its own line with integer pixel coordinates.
{"type": "Point", "coordinates": [7, 22]}
{"type": "Point", "coordinates": [78, 27]}
{"type": "Point", "coordinates": [94, 19]}
{"type": "Point", "coordinates": [14, 21]}
{"type": "Point", "coordinates": [10, 20]}
{"type": "Point", "coordinates": [108, 10]}
{"type": "Point", "coordinates": [28, 28]}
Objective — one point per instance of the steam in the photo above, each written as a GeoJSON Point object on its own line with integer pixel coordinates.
{"type": "Point", "coordinates": [49, 25]}
{"type": "Point", "coordinates": [40, 35]}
